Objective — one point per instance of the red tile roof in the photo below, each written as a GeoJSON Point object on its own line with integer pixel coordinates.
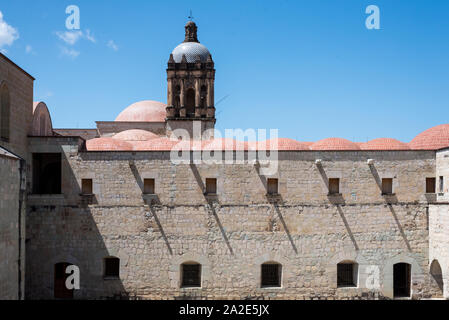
{"type": "Point", "coordinates": [432, 139]}
{"type": "Point", "coordinates": [384, 144]}
{"type": "Point", "coordinates": [334, 144]}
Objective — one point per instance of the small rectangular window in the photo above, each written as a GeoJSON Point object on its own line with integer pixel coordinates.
{"type": "Point", "coordinates": [191, 275]}
{"type": "Point", "coordinates": [346, 275]}
{"type": "Point", "coordinates": [387, 186]}
{"type": "Point", "coordinates": [271, 275]}
{"type": "Point", "coordinates": [430, 185]}
{"type": "Point", "coordinates": [86, 186]}
{"type": "Point", "coordinates": [334, 185]}
{"type": "Point", "coordinates": [211, 186]}
{"type": "Point", "coordinates": [112, 267]}
{"type": "Point", "coordinates": [441, 184]}
{"type": "Point", "coordinates": [148, 186]}
{"type": "Point", "coordinates": [272, 186]}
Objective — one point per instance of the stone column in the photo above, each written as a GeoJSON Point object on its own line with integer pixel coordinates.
{"type": "Point", "coordinates": [182, 111]}
{"type": "Point", "coordinates": [170, 92]}
{"type": "Point", "coordinates": [210, 93]}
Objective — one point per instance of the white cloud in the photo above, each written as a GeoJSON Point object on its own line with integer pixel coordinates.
{"type": "Point", "coordinates": [70, 52]}
{"type": "Point", "coordinates": [72, 37]}
{"type": "Point", "coordinates": [90, 36]}
{"type": "Point", "coordinates": [29, 49]}
{"type": "Point", "coordinates": [112, 45]}
{"type": "Point", "coordinates": [69, 37]}
{"type": "Point", "coordinates": [8, 34]}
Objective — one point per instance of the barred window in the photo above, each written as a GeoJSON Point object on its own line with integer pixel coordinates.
{"type": "Point", "coordinates": [271, 275]}
{"type": "Point", "coordinates": [148, 186]}
{"type": "Point", "coordinates": [86, 186]}
{"type": "Point", "coordinates": [112, 267]}
{"type": "Point", "coordinates": [191, 275]}
{"type": "Point", "coordinates": [334, 185]}
{"type": "Point", "coordinates": [430, 185]}
{"type": "Point", "coordinates": [347, 274]}
{"type": "Point", "coordinates": [387, 186]}
{"type": "Point", "coordinates": [211, 186]}
{"type": "Point", "coordinates": [272, 186]}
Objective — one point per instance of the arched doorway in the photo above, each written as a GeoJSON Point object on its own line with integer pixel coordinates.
{"type": "Point", "coordinates": [401, 280]}
{"type": "Point", "coordinates": [437, 275]}
{"type": "Point", "coordinates": [60, 288]}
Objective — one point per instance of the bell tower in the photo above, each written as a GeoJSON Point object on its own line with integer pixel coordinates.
{"type": "Point", "coordinates": [190, 86]}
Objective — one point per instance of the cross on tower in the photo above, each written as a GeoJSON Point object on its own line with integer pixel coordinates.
{"type": "Point", "coordinates": [190, 17]}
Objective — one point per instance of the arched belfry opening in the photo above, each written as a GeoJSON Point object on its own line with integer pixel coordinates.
{"type": "Point", "coordinates": [190, 83]}
{"type": "Point", "coordinates": [190, 103]}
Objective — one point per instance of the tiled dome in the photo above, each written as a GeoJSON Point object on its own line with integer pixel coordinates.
{"type": "Point", "coordinates": [384, 144]}
{"type": "Point", "coordinates": [224, 144]}
{"type": "Point", "coordinates": [432, 139]}
{"type": "Point", "coordinates": [159, 144]}
{"type": "Point", "coordinates": [108, 144]}
{"type": "Point", "coordinates": [144, 111]}
{"type": "Point", "coordinates": [135, 135]}
{"type": "Point", "coordinates": [334, 144]}
{"type": "Point", "coordinates": [191, 50]}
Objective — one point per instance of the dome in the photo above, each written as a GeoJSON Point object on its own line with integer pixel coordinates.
{"type": "Point", "coordinates": [283, 144]}
{"type": "Point", "coordinates": [191, 50]}
{"type": "Point", "coordinates": [135, 135]}
{"type": "Point", "coordinates": [224, 144]}
{"type": "Point", "coordinates": [432, 139]}
{"type": "Point", "coordinates": [144, 111]}
{"type": "Point", "coordinates": [159, 144]}
{"type": "Point", "coordinates": [384, 144]}
{"type": "Point", "coordinates": [334, 144]}
{"type": "Point", "coordinates": [108, 144]}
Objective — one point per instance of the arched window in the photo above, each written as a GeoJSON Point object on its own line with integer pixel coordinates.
{"type": "Point", "coordinates": [271, 274]}
{"type": "Point", "coordinates": [190, 275]}
{"type": "Point", "coordinates": [4, 112]}
{"type": "Point", "coordinates": [190, 102]}
{"type": "Point", "coordinates": [347, 274]}
{"type": "Point", "coordinates": [60, 277]}
{"type": "Point", "coordinates": [111, 268]}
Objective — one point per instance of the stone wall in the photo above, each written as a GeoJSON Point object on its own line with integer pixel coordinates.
{"type": "Point", "coordinates": [233, 233]}
{"type": "Point", "coordinates": [20, 87]}
{"type": "Point", "coordinates": [9, 227]}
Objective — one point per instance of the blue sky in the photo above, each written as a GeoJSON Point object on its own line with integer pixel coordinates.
{"type": "Point", "coordinates": [308, 68]}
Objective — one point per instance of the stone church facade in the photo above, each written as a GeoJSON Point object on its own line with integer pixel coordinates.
{"type": "Point", "coordinates": [336, 220]}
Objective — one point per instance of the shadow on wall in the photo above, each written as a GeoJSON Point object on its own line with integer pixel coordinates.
{"type": "Point", "coordinates": [61, 231]}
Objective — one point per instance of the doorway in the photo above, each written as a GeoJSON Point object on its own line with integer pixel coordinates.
{"type": "Point", "coordinates": [60, 289]}
{"type": "Point", "coordinates": [401, 280]}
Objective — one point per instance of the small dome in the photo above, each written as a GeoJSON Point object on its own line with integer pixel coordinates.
{"type": "Point", "coordinates": [283, 144]}
{"type": "Point", "coordinates": [191, 50]}
{"type": "Point", "coordinates": [432, 139]}
{"type": "Point", "coordinates": [135, 135]}
{"type": "Point", "coordinates": [334, 144]}
{"type": "Point", "coordinates": [108, 144]}
{"type": "Point", "coordinates": [384, 144]}
{"type": "Point", "coordinates": [144, 111]}
{"type": "Point", "coordinates": [159, 144]}
{"type": "Point", "coordinates": [224, 144]}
